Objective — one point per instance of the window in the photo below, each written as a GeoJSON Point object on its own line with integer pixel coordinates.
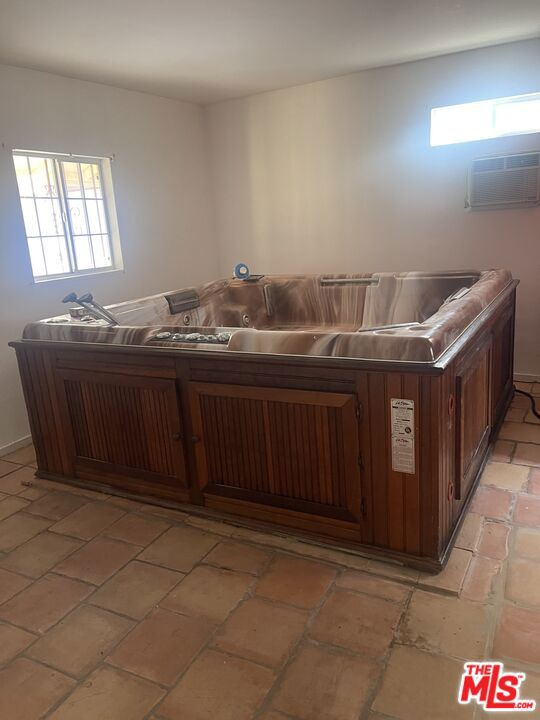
{"type": "Point", "coordinates": [517, 115]}
{"type": "Point", "coordinates": [68, 212]}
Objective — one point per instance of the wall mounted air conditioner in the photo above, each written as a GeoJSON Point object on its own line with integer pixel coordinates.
{"type": "Point", "coordinates": [505, 181]}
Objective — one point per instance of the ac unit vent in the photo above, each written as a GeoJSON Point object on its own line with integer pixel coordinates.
{"type": "Point", "coordinates": [504, 181]}
{"type": "Point", "coordinates": [485, 164]}
{"type": "Point", "coordinates": [517, 161]}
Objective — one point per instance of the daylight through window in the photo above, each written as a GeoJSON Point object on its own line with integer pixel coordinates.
{"type": "Point", "coordinates": [486, 119]}
{"type": "Point", "coordinates": [65, 211]}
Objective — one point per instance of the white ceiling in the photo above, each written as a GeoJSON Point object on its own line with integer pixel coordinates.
{"type": "Point", "coordinates": [208, 50]}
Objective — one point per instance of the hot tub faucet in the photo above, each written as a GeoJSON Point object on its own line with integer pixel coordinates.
{"type": "Point", "coordinates": [92, 307]}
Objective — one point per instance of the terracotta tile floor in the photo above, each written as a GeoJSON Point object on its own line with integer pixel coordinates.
{"type": "Point", "coordinates": [111, 609]}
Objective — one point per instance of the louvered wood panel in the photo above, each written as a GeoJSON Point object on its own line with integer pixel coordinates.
{"type": "Point", "coordinates": [235, 443]}
{"type": "Point", "coordinates": [125, 424]}
{"type": "Point", "coordinates": [38, 382]}
{"type": "Point", "coordinates": [291, 448]}
{"type": "Point", "coordinates": [502, 366]}
{"type": "Point", "coordinates": [473, 416]}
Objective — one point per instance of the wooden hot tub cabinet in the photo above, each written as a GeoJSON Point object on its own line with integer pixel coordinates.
{"type": "Point", "coordinates": [301, 443]}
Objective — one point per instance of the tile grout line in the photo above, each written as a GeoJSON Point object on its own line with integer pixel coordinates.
{"type": "Point", "coordinates": [207, 645]}
{"type": "Point", "coordinates": [304, 639]}
{"type": "Point", "coordinates": [104, 664]}
{"type": "Point", "coordinates": [365, 714]}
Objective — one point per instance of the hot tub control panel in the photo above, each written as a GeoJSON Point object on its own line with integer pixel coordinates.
{"type": "Point", "coordinates": [220, 338]}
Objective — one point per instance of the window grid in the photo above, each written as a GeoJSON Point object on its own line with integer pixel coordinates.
{"type": "Point", "coordinates": [69, 258]}
{"type": "Point", "coordinates": [34, 198]}
{"type": "Point", "coordinates": [65, 216]}
{"type": "Point", "coordinates": [85, 209]}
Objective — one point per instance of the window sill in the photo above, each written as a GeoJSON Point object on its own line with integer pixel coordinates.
{"type": "Point", "coordinates": [75, 276]}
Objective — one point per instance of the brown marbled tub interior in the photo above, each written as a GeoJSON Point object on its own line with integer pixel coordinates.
{"type": "Point", "coordinates": [319, 315]}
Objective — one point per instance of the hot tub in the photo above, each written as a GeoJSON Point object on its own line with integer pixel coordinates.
{"type": "Point", "coordinates": [354, 408]}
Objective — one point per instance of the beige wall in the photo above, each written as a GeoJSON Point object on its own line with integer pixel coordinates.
{"type": "Point", "coordinates": [161, 187]}
{"type": "Point", "coordinates": [339, 176]}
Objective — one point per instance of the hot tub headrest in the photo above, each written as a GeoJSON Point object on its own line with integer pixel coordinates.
{"type": "Point", "coordinates": [182, 300]}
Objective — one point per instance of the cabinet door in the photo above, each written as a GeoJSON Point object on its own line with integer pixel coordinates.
{"type": "Point", "coordinates": [473, 405]}
{"type": "Point", "coordinates": [124, 426]}
{"type": "Point", "coordinates": [293, 449]}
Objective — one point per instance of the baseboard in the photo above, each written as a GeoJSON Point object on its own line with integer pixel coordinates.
{"type": "Point", "coordinates": [526, 377]}
{"type": "Point", "coordinates": [11, 447]}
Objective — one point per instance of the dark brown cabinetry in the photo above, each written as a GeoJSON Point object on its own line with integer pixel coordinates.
{"type": "Point", "coordinates": [293, 449]}
{"type": "Point", "coordinates": [502, 355]}
{"type": "Point", "coordinates": [473, 414]}
{"type": "Point", "coordinates": [124, 426]}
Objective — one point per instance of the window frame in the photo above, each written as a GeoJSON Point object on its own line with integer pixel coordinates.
{"type": "Point", "coordinates": [109, 209]}
{"type": "Point", "coordinates": [491, 105]}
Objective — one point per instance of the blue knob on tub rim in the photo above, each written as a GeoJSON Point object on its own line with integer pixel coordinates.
{"type": "Point", "coordinates": [241, 271]}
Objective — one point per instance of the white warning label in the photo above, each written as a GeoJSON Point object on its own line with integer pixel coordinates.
{"type": "Point", "coordinates": [402, 420]}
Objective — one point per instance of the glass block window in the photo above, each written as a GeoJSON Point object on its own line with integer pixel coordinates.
{"type": "Point", "coordinates": [66, 214]}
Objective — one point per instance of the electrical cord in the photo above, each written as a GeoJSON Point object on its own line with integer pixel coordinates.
{"type": "Point", "coordinates": [531, 399]}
